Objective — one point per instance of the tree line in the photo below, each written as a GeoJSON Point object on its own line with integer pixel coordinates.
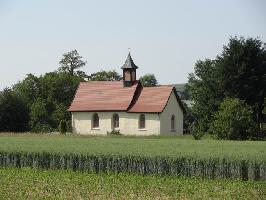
{"type": "Point", "coordinates": [39, 104]}
{"type": "Point", "coordinates": [229, 92]}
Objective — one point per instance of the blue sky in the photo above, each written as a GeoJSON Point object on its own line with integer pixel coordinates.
{"type": "Point", "coordinates": [166, 37]}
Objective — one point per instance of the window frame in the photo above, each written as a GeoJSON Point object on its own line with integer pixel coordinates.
{"type": "Point", "coordinates": [115, 119]}
{"type": "Point", "coordinates": [172, 123]}
{"type": "Point", "coordinates": [93, 121]}
{"type": "Point", "coordinates": [142, 122]}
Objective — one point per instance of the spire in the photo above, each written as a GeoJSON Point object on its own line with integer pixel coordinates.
{"type": "Point", "coordinates": [129, 64]}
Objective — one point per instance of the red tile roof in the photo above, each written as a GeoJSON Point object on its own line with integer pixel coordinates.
{"type": "Point", "coordinates": [113, 96]}
{"type": "Point", "coordinates": [102, 96]}
{"type": "Point", "coordinates": [152, 99]}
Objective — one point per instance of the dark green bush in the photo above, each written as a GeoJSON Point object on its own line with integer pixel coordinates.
{"type": "Point", "coordinates": [62, 127]}
{"type": "Point", "coordinates": [114, 132]}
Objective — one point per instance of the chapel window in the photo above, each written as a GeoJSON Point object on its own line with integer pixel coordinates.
{"type": "Point", "coordinates": [142, 121]}
{"type": "Point", "coordinates": [95, 121]}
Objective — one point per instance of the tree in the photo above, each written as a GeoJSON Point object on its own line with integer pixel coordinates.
{"type": "Point", "coordinates": [71, 61]}
{"type": "Point", "coordinates": [242, 70]}
{"type": "Point", "coordinates": [233, 121]}
{"type": "Point", "coordinates": [105, 76]}
{"type": "Point", "coordinates": [204, 90]}
{"type": "Point", "coordinates": [14, 114]}
{"type": "Point", "coordinates": [39, 117]}
{"type": "Point", "coordinates": [29, 89]}
{"type": "Point", "coordinates": [148, 80]}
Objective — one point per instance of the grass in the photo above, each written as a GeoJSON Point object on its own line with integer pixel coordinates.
{"type": "Point", "coordinates": [60, 184]}
{"type": "Point", "coordinates": [136, 146]}
{"type": "Point", "coordinates": [183, 156]}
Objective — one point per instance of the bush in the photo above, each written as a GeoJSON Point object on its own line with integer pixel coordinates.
{"type": "Point", "coordinates": [114, 132]}
{"type": "Point", "coordinates": [196, 129]}
{"type": "Point", "coordinates": [62, 127]}
{"type": "Point", "coordinates": [233, 121]}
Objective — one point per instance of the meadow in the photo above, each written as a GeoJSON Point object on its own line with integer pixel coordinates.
{"type": "Point", "coordinates": [28, 183]}
{"type": "Point", "coordinates": [181, 156]}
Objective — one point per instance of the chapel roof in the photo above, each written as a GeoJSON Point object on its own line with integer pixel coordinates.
{"type": "Point", "coordinates": [113, 96]}
{"type": "Point", "coordinates": [129, 63]}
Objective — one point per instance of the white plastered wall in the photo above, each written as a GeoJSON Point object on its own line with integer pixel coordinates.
{"type": "Point", "coordinates": [128, 123]}
{"type": "Point", "coordinates": [172, 108]}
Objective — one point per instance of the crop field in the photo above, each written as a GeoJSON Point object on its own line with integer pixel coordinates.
{"type": "Point", "coordinates": [138, 146]}
{"type": "Point", "coordinates": [181, 156]}
{"type": "Point", "coordinates": [28, 183]}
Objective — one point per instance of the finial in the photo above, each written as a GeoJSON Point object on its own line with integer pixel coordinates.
{"type": "Point", "coordinates": [128, 50]}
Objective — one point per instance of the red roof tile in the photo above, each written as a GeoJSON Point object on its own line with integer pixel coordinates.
{"type": "Point", "coordinates": [152, 99]}
{"type": "Point", "coordinates": [102, 96]}
{"type": "Point", "coordinates": [113, 96]}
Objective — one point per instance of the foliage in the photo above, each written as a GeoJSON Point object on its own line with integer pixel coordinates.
{"type": "Point", "coordinates": [105, 76]}
{"type": "Point", "coordinates": [188, 120]}
{"type": "Point", "coordinates": [242, 70]}
{"type": "Point", "coordinates": [62, 127]}
{"type": "Point", "coordinates": [29, 89]}
{"type": "Point", "coordinates": [197, 130]}
{"type": "Point", "coordinates": [203, 85]}
{"type": "Point", "coordinates": [148, 80]}
{"type": "Point", "coordinates": [38, 114]}
{"type": "Point", "coordinates": [239, 71]}
{"type": "Point", "coordinates": [62, 184]}
{"type": "Point", "coordinates": [47, 98]}
{"type": "Point", "coordinates": [70, 62]}
{"type": "Point", "coordinates": [14, 114]}
{"type": "Point", "coordinates": [114, 132]}
{"type": "Point", "coordinates": [233, 121]}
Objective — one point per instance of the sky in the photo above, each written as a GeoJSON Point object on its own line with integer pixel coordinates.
{"type": "Point", "coordinates": [166, 37]}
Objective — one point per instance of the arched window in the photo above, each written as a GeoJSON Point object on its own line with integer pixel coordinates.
{"type": "Point", "coordinates": [173, 122]}
{"type": "Point", "coordinates": [95, 121]}
{"type": "Point", "coordinates": [115, 121]}
{"type": "Point", "coordinates": [142, 121]}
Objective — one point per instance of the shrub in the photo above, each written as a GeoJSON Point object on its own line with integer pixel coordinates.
{"type": "Point", "coordinates": [42, 128]}
{"type": "Point", "coordinates": [114, 132]}
{"type": "Point", "coordinates": [233, 121]}
{"type": "Point", "coordinates": [196, 129]}
{"type": "Point", "coordinates": [62, 127]}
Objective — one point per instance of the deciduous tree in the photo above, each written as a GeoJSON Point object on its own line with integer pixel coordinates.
{"type": "Point", "coordinates": [148, 80]}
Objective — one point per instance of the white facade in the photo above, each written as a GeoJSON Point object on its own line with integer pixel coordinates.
{"type": "Point", "coordinates": [155, 123]}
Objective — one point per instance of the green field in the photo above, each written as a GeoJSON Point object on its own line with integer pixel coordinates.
{"type": "Point", "coordinates": [170, 156]}
{"type": "Point", "coordinates": [140, 146]}
{"type": "Point", "coordinates": [60, 184]}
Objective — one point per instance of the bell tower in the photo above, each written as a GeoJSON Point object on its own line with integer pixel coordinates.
{"type": "Point", "coordinates": [129, 71]}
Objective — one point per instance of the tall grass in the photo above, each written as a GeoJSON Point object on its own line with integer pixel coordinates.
{"type": "Point", "coordinates": [244, 160]}
{"type": "Point", "coordinates": [182, 165]}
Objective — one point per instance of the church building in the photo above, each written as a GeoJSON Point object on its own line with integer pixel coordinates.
{"type": "Point", "coordinates": [101, 106]}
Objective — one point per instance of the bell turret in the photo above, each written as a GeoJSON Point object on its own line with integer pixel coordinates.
{"type": "Point", "coordinates": [129, 71]}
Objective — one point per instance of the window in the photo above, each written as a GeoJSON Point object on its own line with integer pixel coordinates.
{"type": "Point", "coordinates": [115, 121]}
{"type": "Point", "coordinates": [142, 121]}
{"type": "Point", "coordinates": [173, 123]}
{"type": "Point", "coordinates": [127, 76]}
{"type": "Point", "coordinates": [95, 121]}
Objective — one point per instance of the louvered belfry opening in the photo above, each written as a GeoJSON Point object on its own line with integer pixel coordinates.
{"type": "Point", "coordinates": [129, 71]}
